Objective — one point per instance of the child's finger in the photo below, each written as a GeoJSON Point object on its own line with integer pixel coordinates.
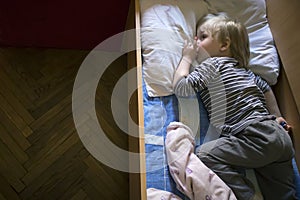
{"type": "Point", "coordinates": [288, 128]}
{"type": "Point", "coordinates": [195, 46]}
{"type": "Point", "coordinates": [185, 42]}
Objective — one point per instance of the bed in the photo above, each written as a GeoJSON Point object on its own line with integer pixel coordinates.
{"type": "Point", "coordinates": [165, 24]}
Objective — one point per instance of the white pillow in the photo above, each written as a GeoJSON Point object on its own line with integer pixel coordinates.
{"type": "Point", "coordinates": [165, 24]}
{"type": "Point", "coordinates": [264, 59]}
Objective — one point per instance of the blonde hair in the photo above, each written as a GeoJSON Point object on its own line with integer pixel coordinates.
{"type": "Point", "coordinates": [221, 27]}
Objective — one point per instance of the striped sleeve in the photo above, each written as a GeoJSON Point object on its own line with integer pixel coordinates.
{"type": "Point", "coordinates": [197, 80]}
{"type": "Point", "coordinates": [262, 84]}
{"type": "Point", "coordinates": [183, 88]}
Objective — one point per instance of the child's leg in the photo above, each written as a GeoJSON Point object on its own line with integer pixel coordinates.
{"type": "Point", "coordinates": [192, 177]}
{"type": "Point", "coordinates": [241, 186]}
{"type": "Point", "coordinates": [276, 181]}
{"type": "Point", "coordinates": [257, 146]}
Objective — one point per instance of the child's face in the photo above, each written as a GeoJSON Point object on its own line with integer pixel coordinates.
{"type": "Point", "coordinates": [207, 42]}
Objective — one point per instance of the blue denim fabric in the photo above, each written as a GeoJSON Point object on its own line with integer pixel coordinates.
{"type": "Point", "coordinates": [159, 112]}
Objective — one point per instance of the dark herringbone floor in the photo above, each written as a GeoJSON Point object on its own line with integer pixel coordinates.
{"type": "Point", "coordinates": [41, 155]}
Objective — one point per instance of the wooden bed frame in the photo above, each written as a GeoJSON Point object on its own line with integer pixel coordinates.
{"type": "Point", "coordinates": [284, 19]}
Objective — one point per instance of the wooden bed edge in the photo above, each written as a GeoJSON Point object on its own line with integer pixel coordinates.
{"type": "Point", "coordinates": [283, 17]}
{"type": "Point", "coordinates": [288, 108]}
{"type": "Point", "coordinates": [137, 181]}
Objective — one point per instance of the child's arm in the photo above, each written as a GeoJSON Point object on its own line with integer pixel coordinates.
{"type": "Point", "coordinates": [189, 54]}
{"type": "Point", "coordinates": [273, 108]}
{"type": "Point", "coordinates": [182, 70]}
{"type": "Point", "coordinates": [271, 102]}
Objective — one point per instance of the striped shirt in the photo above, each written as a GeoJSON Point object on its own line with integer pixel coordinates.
{"type": "Point", "coordinates": [232, 95]}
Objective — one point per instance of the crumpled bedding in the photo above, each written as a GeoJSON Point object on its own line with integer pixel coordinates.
{"type": "Point", "coordinates": [192, 177]}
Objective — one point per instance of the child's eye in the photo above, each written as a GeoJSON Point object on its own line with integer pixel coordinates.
{"type": "Point", "coordinates": [202, 37]}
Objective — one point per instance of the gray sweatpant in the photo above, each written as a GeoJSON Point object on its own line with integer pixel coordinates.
{"type": "Point", "coordinates": [264, 146]}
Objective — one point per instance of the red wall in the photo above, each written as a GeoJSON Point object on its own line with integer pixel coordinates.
{"type": "Point", "coordinates": [60, 23]}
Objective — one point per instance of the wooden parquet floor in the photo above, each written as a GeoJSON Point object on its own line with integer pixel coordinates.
{"type": "Point", "coordinates": [41, 155]}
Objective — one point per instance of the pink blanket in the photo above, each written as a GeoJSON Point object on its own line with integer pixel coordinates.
{"type": "Point", "coordinates": [192, 177]}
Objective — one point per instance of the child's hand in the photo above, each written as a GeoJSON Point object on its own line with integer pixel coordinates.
{"type": "Point", "coordinates": [283, 123]}
{"type": "Point", "coordinates": [190, 51]}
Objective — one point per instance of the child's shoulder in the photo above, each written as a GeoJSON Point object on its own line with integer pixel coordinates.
{"type": "Point", "coordinates": [225, 60]}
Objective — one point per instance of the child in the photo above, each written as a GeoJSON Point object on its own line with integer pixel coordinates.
{"type": "Point", "coordinates": [242, 107]}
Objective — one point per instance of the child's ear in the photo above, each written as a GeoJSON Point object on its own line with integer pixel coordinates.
{"type": "Point", "coordinates": [225, 45]}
